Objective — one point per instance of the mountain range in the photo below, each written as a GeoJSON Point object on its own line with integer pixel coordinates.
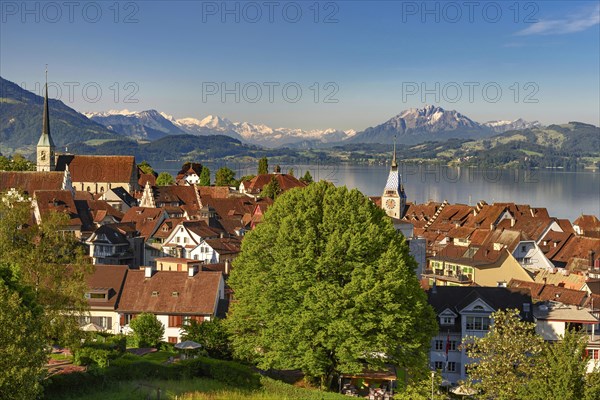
{"type": "Point", "coordinates": [21, 116]}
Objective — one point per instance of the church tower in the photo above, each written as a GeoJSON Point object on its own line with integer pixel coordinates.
{"type": "Point", "coordinates": [393, 200]}
{"type": "Point", "coordinates": [45, 146]}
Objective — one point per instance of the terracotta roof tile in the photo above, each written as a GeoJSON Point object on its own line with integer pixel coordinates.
{"type": "Point", "coordinates": [110, 277]}
{"type": "Point", "coordinates": [30, 181]}
{"type": "Point", "coordinates": [111, 169]}
{"type": "Point", "coordinates": [544, 292]}
{"type": "Point", "coordinates": [57, 201]}
{"type": "Point", "coordinates": [286, 182]}
{"type": "Point", "coordinates": [197, 295]}
{"type": "Point", "coordinates": [146, 219]}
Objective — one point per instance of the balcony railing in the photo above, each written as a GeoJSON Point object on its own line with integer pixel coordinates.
{"type": "Point", "coordinates": [447, 275]}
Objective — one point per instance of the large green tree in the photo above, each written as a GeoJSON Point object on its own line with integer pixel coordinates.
{"type": "Point", "coordinates": [145, 167]}
{"type": "Point", "coordinates": [147, 330]}
{"type": "Point", "coordinates": [325, 283]}
{"type": "Point", "coordinates": [225, 177]}
{"type": "Point", "coordinates": [16, 163]}
{"type": "Point", "coordinates": [506, 357]}
{"type": "Point", "coordinates": [263, 166]}
{"type": "Point", "coordinates": [22, 340]}
{"type": "Point", "coordinates": [307, 178]}
{"type": "Point", "coordinates": [51, 262]}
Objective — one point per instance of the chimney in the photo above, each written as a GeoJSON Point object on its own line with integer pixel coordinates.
{"type": "Point", "coordinates": [591, 258]}
{"type": "Point", "coordinates": [192, 270]}
{"type": "Point", "coordinates": [545, 281]}
{"type": "Point", "coordinates": [148, 272]}
{"type": "Point", "coordinates": [227, 267]}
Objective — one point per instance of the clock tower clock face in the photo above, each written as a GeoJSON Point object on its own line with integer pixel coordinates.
{"type": "Point", "coordinates": [390, 203]}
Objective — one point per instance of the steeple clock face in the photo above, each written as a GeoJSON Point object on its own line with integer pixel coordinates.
{"type": "Point", "coordinates": [390, 203]}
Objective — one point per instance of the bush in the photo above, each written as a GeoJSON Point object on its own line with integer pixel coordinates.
{"type": "Point", "coordinates": [147, 330]}
{"type": "Point", "coordinates": [131, 367]}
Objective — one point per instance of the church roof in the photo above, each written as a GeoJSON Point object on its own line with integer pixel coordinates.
{"type": "Point", "coordinates": [113, 169]}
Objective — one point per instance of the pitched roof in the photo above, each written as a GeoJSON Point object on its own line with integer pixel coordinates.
{"type": "Point", "coordinates": [225, 245]}
{"type": "Point", "coordinates": [167, 226]}
{"type": "Point", "coordinates": [286, 182]}
{"type": "Point", "coordinates": [195, 295]}
{"type": "Point", "coordinates": [216, 192]}
{"type": "Point", "coordinates": [201, 229]}
{"type": "Point", "coordinates": [562, 278]}
{"type": "Point", "coordinates": [57, 201]}
{"type": "Point", "coordinates": [576, 252]}
{"type": "Point", "coordinates": [543, 292]}
{"type": "Point", "coordinates": [94, 211]}
{"type": "Point", "coordinates": [30, 181]}
{"type": "Point", "coordinates": [457, 297]}
{"type": "Point", "coordinates": [146, 178]}
{"type": "Point", "coordinates": [146, 219]}
{"type": "Point", "coordinates": [589, 225]}
{"type": "Point", "coordinates": [109, 277]}
{"type": "Point", "coordinates": [113, 169]}
{"type": "Point", "coordinates": [113, 233]}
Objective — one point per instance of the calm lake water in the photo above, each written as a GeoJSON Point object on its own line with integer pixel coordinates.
{"type": "Point", "coordinates": [564, 194]}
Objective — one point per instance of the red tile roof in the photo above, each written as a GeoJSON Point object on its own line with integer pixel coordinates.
{"type": "Point", "coordinates": [146, 219]}
{"type": "Point", "coordinates": [543, 292]}
{"type": "Point", "coordinates": [113, 169]}
{"type": "Point", "coordinates": [57, 201]}
{"type": "Point", "coordinates": [109, 277]}
{"type": "Point", "coordinates": [30, 181]}
{"type": "Point", "coordinates": [216, 192]}
{"type": "Point", "coordinates": [286, 182]}
{"type": "Point", "coordinates": [589, 225]}
{"type": "Point", "coordinates": [197, 295]}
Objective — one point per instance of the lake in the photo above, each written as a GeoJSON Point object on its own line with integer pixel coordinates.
{"type": "Point", "coordinates": [564, 194]}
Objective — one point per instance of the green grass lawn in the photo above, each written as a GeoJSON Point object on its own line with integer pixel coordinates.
{"type": "Point", "coordinates": [205, 389]}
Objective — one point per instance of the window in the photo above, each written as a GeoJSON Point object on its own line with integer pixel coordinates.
{"type": "Point", "coordinates": [439, 345]}
{"type": "Point", "coordinates": [98, 296]}
{"type": "Point", "coordinates": [172, 339]}
{"type": "Point", "coordinates": [185, 240]}
{"type": "Point", "coordinates": [523, 248]}
{"type": "Point", "coordinates": [447, 320]}
{"type": "Point", "coordinates": [175, 321]}
{"type": "Point", "coordinates": [155, 293]}
{"type": "Point", "coordinates": [438, 365]}
{"type": "Point", "coordinates": [593, 354]}
{"type": "Point", "coordinates": [453, 345]}
{"type": "Point", "coordinates": [452, 366]}
{"type": "Point", "coordinates": [478, 323]}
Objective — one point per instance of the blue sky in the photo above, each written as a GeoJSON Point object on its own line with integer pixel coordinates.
{"type": "Point", "coordinates": [372, 59]}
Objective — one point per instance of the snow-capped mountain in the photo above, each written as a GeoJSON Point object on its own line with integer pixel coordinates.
{"type": "Point", "coordinates": [504, 126]}
{"type": "Point", "coordinates": [149, 124]}
{"type": "Point", "coordinates": [419, 124]}
{"type": "Point", "coordinates": [410, 126]}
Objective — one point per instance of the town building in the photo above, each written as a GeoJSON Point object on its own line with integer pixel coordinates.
{"type": "Point", "coordinates": [173, 297]}
{"type": "Point", "coordinates": [464, 312]}
{"type": "Point", "coordinates": [104, 290]}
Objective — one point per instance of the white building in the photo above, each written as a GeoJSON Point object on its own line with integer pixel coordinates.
{"type": "Point", "coordinates": [173, 297]}
{"type": "Point", "coordinates": [465, 312]}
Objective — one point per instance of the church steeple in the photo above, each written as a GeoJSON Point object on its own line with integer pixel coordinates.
{"type": "Point", "coordinates": [393, 200]}
{"type": "Point", "coordinates": [45, 146]}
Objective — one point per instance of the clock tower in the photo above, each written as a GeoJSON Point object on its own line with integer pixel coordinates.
{"type": "Point", "coordinates": [45, 146]}
{"type": "Point", "coordinates": [393, 200]}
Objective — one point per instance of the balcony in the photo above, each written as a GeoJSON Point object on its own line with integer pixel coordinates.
{"type": "Point", "coordinates": [447, 275]}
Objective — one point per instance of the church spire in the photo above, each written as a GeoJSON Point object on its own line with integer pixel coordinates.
{"type": "Point", "coordinates": [46, 139]}
{"type": "Point", "coordinates": [45, 146]}
{"type": "Point", "coordinates": [394, 162]}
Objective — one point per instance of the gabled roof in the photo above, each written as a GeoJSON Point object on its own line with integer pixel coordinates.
{"type": "Point", "coordinates": [124, 195]}
{"type": "Point", "coordinates": [225, 245]}
{"type": "Point", "coordinates": [112, 169]}
{"type": "Point", "coordinates": [216, 192]}
{"type": "Point", "coordinates": [109, 277]}
{"type": "Point", "coordinates": [457, 298]}
{"type": "Point", "coordinates": [115, 234]}
{"type": "Point", "coordinates": [589, 224]}
{"type": "Point", "coordinates": [30, 181]}
{"type": "Point", "coordinates": [94, 211]}
{"type": "Point", "coordinates": [49, 201]}
{"type": "Point", "coordinates": [146, 219]}
{"type": "Point", "coordinates": [201, 229]}
{"type": "Point", "coordinates": [542, 292]}
{"type": "Point", "coordinates": [576, 252]}
{"type": "Point", "coordinates": [286, 182]}
{"type": "Point", "coordinates": [196, 295]}
{"type": "Point", "coordinates": [167, 226]}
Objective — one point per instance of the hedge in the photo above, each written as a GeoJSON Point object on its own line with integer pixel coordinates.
{"type": "Point", "coordinates": [131, 367]}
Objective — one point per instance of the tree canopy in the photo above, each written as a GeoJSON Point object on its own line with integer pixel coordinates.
{"type": "Point", "coordinates": [324, 284]}
{"type": "Point", "coordinates": [204, 177]}
{"type": "Point", "coordinates": [16, 163]}
{"type": "Point", "coordinates": [225, 177]}
{"type": "Point", "coordinates": [263, 166]}
{"type": "Point", "coordinates": [145, 167]}
{"type": "Point", "coordinates": [147, 330]}
{"type": "Point", "coordinates": [212, 335]}
{"type": "Point", "coordinates": [165, 179]}
{"type": "Point", "coordinates": [307, 178]}
{"type": "Point", "coordinates": [271, 189]}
